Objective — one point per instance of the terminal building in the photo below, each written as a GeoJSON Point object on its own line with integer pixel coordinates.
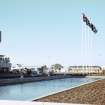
{"type": "Point", "coordinates": [5, 64]}
{"type": "Point", "coordinates": [85, 69]}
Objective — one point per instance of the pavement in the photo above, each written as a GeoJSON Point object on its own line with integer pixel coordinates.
{"type": "Point", "coordinates": [6, 102]}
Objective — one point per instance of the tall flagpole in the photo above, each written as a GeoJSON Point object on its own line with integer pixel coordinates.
{"type": "Point", "coordinates": [87, 38]}
{"type": "Point", "coordinates": [82, 38]}
{"type": "Point", "coordinates": [83, 44]}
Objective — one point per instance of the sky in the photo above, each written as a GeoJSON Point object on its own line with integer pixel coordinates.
{"type": "Point", "coordinates": [38, 32]}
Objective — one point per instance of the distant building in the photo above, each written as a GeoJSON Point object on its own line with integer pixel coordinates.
{"type": "Point", "coordinates": [42, 70]}
{"type": "Point", "coordinates": [85, 69]}
{"type": "Point", "coordinates": [5, 64]}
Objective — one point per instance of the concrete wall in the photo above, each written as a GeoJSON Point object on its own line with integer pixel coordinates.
{"type": "Point", "coordinates": [32, 79]}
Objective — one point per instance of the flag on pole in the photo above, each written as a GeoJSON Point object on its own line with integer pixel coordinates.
{"type": "Point", "coordinates": [88, 23]}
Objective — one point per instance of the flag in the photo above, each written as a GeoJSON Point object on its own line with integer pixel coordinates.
{"type": "Point", "coordinates": [88, 23]}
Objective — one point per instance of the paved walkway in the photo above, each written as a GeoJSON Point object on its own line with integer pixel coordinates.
{"type": "Point", "coordinates": [3, 102]}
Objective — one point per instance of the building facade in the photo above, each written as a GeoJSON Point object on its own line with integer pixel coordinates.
{"type": "Point", "coordinates": [85, 69]}
{"type": "Point", "coordinates": [5, 64]}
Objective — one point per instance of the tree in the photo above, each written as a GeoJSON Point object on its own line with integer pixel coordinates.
{"type": "Point", "coordinates": [56, 67]}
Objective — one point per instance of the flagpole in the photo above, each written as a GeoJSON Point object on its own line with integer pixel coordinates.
{"type": "Point", "coordinates": [90, 44]}
{"type": "Point", "coordinates": [83, 44]}
{"type": "Point", "coordinates": [86, 46]}
{"type": "Point", "coordinates": [82, 38]}
{"type": "Point", "coordinates": [88, 39]}
{"type": "Point", "coordinates": [89, 48]}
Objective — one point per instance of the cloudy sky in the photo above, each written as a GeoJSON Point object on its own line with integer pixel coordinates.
{"type": "Point", "coordinates": [37, 32]}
